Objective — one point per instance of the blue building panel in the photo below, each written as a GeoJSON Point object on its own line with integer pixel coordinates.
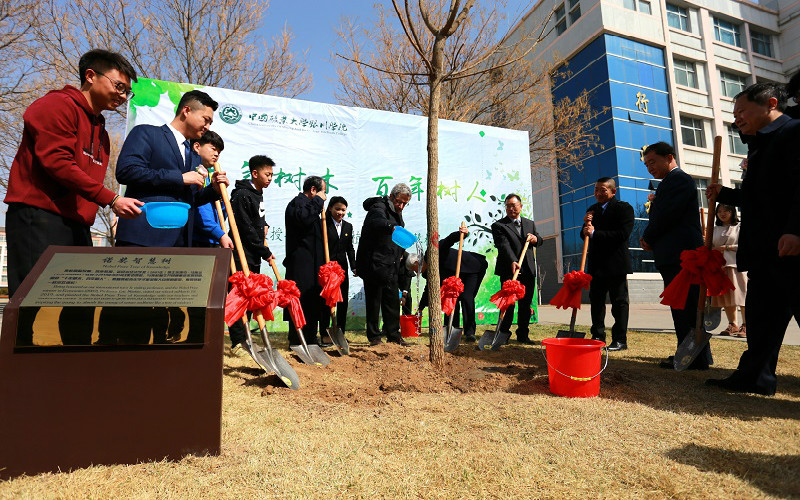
{"type": "Point", "coordinates": [630, 78]}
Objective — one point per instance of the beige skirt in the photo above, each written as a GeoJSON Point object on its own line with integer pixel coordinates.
{"type": "Point", "coordinates": [733, 297]}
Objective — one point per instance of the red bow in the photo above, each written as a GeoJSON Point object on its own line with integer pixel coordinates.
{"type": "Point", "coordinates": [289, 298]}
{"type": "Point", "coordinates": [249, 293]}
{"type": "Point", "coordinates": [570, 293]}
{"type": "Point", "coordinates": [452, 287]}
{"type": "Point", "coordinates": [331, 277]}
{"type": "Point", "coordinates": [511, 291]}
{"type": "Point", "coordinates": [702, 266]}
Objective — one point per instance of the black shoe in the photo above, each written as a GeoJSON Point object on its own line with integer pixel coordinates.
{"type": "Point", "coordinates": [325, 345]}
{"type": "Point", "coordinates": [399, 341]}
{"type": "Point", "coordinates": [601, 339]}
{"type": "Point", "coordinates": [470, 339]}
{"type": "Point", "coordinates": [729, 384]}
{"type": "Point", "coordinates": [376, 341]}
{"type": "Point", "coordinates": [617, 346]}
{"type": "Point", "coordinates": [525, 341]}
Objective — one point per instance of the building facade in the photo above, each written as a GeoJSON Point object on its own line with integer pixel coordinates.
{"type": "Point", "coordinates": [664, 70]}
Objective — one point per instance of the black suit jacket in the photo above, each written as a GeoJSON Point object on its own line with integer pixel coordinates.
{"type": "Point", "coordinates": [304, 251]}
{"type": "Point", "coordinates": [608, 245]}
{"type": "Point", "coordinates": [341, 248]}
{"type": "Point", "coordinates": [509, 245]}
{"type": "Point", "coordinates": [769, 197]}
{"type": "Point", "coordinates": [378, 258]}
{"type": "Point", "coordinates": [674, 224]}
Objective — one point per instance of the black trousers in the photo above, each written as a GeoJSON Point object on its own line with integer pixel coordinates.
{"type": "Point", "coordinates": [685, 319]}
{"type": "Point", "coordinates": [29, 231]}
{"type": "Point", "coordinates": [466, 302]}
{"type": "Point", "coordinates": [341, 308]}
{"type": "Point", "coordinates": [772, 300]}
{"type": "Point", "coordinates": [312, 310]}
{"type": "Point", "coordinates": [382, 299]}
{"type": "Point", "coordinates": [524, 315]}
{"type": "Point", "coordinates": [616, 287]}
{"type": "Point", "coordinates": [404, 284]}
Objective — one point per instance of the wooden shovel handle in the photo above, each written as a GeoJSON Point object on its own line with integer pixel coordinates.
{"type": "Point", "coordinates": [460, 250]}
{"type": "Point", "coordinates": [521, 258]}
{"type": "Point", "coordinates": [585, 250]}
{"type": "Point", "coordinates": [712, 210]}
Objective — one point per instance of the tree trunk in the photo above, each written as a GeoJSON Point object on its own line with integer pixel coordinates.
{"type": "Point", "coordinates": [434, 303]}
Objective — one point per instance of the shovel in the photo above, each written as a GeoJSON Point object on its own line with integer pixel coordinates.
{"type": "Point", "coordinates": [334, 332]}
{"type": "Point", "coordinates": [571, 333]}
{"type": "Point", "coordinates": [698, 337]}
{"type": "Point", "coordinates": [494, 339]}
{"type": "Point", "coordinates": [452, 337]}
{"type": "Point", "coordinates": [308, 354]}
{"type": "Point", "coordinates": [269, 359]}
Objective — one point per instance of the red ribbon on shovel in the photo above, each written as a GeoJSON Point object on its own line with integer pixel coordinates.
{"type": "Point", "coordinates": [702, 266]}
{"type": "Point", "coordinates": [452, 287]}
{"type": "Point", "coordinates": [511, 292]}
{"type": "Point", "coordinates": [249, 293]}
{"type": "Point", "coordinates": [331, 277]}
{"type": "Point", "coordinates": [570, 293]}
{"type": "Point", "coordinates": [289, 298]}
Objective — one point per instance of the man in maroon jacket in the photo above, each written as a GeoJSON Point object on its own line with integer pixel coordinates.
{"type": "Point", "coordinates": [56, 180]}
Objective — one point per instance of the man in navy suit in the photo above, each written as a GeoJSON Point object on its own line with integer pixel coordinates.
{"type": "Point", "coordinates": [608, 224]}
{"type": "Point", "coordinates": [674, 226]}
{"type": "Point", "coordinates": [510, 234]}
{"type": "Point", "coordinates": [158, 164]}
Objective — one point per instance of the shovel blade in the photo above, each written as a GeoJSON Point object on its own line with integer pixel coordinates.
{"type": "Point", "coordinates": [280, 366]}
{"type": "Point", "coordinates": [318, 355]}
{"type": "Point", "coordinates": [302, 353]}
{"type": "Point", "coordinates": [337, 337]}
{"type": "Point", "coordinates": [711, 316]}
{"type": "Point", "coordinates": [690, 348]}
{"type": "Point", "coordinates": [570, 334]}
{"type": "Point", "coordinates": [452, 339]}
{"type": "Point", "coordinates": [493, 340]}
{"type": "Point", "coordinates": [500, 340]}
{"type": "Point", "coordinates": [248, 346]}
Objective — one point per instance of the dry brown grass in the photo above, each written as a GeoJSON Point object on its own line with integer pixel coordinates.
{"type": "Point", "coordinates": [651, 434]}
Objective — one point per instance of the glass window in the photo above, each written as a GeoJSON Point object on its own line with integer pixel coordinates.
{"type": "Point", "coordinates": [702, 184]}
{"type": "Point", "coordinates": [692, 132]}
{"type": "Point", "coordinates": [731, 84]}
{"type": "Point", "coordinates": [575, 10]}
{"type": "Point", "coordinates": [678, 17]}
{"type": "Point", "coordinates": [762, 43]}
{"type": "Point", "coordinates": [644, 7]}
{"type": "Point", "coordinates": [685, 73]}
{"type": "Point", "coordinates": [726, 32]}
{"type": "Point", "coordinates": [629, 4]}
{"type": "Point", "coordinates": [561, 20]}
{"type": "Point", "coordinates": [735, 141]}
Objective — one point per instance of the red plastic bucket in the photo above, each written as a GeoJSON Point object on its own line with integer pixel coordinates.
{"type": "Point", "coordinates": [410, 325]}
{"type": "Point", "coordinates": [573, 366]}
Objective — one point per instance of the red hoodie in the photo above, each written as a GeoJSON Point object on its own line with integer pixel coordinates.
{"type": "Point", "coordinates": [62, 160]}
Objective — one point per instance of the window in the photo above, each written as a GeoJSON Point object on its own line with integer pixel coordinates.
{"type": "Point", "coordinates": [561, 20]}
{"type": "Point", "coordinates": [642, 6]}
{"type": "Point", "coordinates": [702, 184]}
{"type": "Point", "coordinates": [735, 141]}
{"type": "Point", "coordinates": [726, 32]}
{"type": "Point", "coordinates": [685, 73]}
{"type": "Point", "coordinates": [574, 10]}
{"type": "Point", "coordinates": [692, 132]}
{"type": "Point", "coordinates": [678, 17]}
{"type": "Point", "coordinates": [762, 43]}
{"type": "Point", "coordinates": [731, 84]}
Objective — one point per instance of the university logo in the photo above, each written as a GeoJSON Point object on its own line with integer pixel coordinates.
{"type": "Point", "coordinates": [230, 114]}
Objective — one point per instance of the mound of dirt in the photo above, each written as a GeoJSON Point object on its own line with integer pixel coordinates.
{"type": "Point", "coordinates": [371, 372]}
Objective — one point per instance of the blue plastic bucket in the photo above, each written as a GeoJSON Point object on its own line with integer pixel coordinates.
{"type": "Point", "coordinates": [166, 214]}
{"type": "Point", "coordinates": [403, 237]}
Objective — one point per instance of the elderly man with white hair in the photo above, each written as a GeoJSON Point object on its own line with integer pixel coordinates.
{"type": "Point", "coordinates": [378, 262]}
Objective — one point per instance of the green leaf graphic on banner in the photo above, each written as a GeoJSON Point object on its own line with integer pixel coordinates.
{"type": "Point", "coordinates": [148, 92]}
{"type": "Point", "coordinates": [481, 133]}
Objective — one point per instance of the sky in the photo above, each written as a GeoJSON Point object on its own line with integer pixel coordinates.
{"type": "Point", "coordinates": [313, 24]}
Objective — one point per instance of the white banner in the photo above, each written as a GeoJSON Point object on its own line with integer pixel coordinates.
{"type": "Point", "coordinates": [362, 153]}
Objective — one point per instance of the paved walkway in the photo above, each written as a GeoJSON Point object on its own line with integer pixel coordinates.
{"type": "Point", "coordinates": [643, 317]}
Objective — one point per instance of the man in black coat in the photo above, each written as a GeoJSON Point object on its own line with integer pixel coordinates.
{"type": "Point", "coordinates": [305, 254]}
{"type": "Point", "coordinates": [769, 239]}
{"type": "Point", "coordinates": [510, 234]}
{"type": "Point", "coordinates": [341, 250]}
{"type": "Point", "coordinates": [674, 226]}
{"type": "Point", "coordinates": [608, 224]}
{"type": "Point", "coordinates": [473, 269]}
{"type": "Point", "coordinates": [378, 261]}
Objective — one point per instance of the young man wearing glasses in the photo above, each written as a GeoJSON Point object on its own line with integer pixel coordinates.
{"type": "Point", "coordinates": [56, 181]}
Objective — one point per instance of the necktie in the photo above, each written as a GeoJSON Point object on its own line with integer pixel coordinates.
{"type": "Point", "coordinates": [518, 226]}
{"type": "Point", "coordinates": [187, 156]}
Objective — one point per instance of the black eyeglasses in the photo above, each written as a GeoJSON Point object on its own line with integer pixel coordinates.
{"type": "Point", "coordinates": [120, 87]}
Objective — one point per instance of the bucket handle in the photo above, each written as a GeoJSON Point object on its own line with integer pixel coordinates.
{"type": "Point", "coordinates": [576, 379]}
